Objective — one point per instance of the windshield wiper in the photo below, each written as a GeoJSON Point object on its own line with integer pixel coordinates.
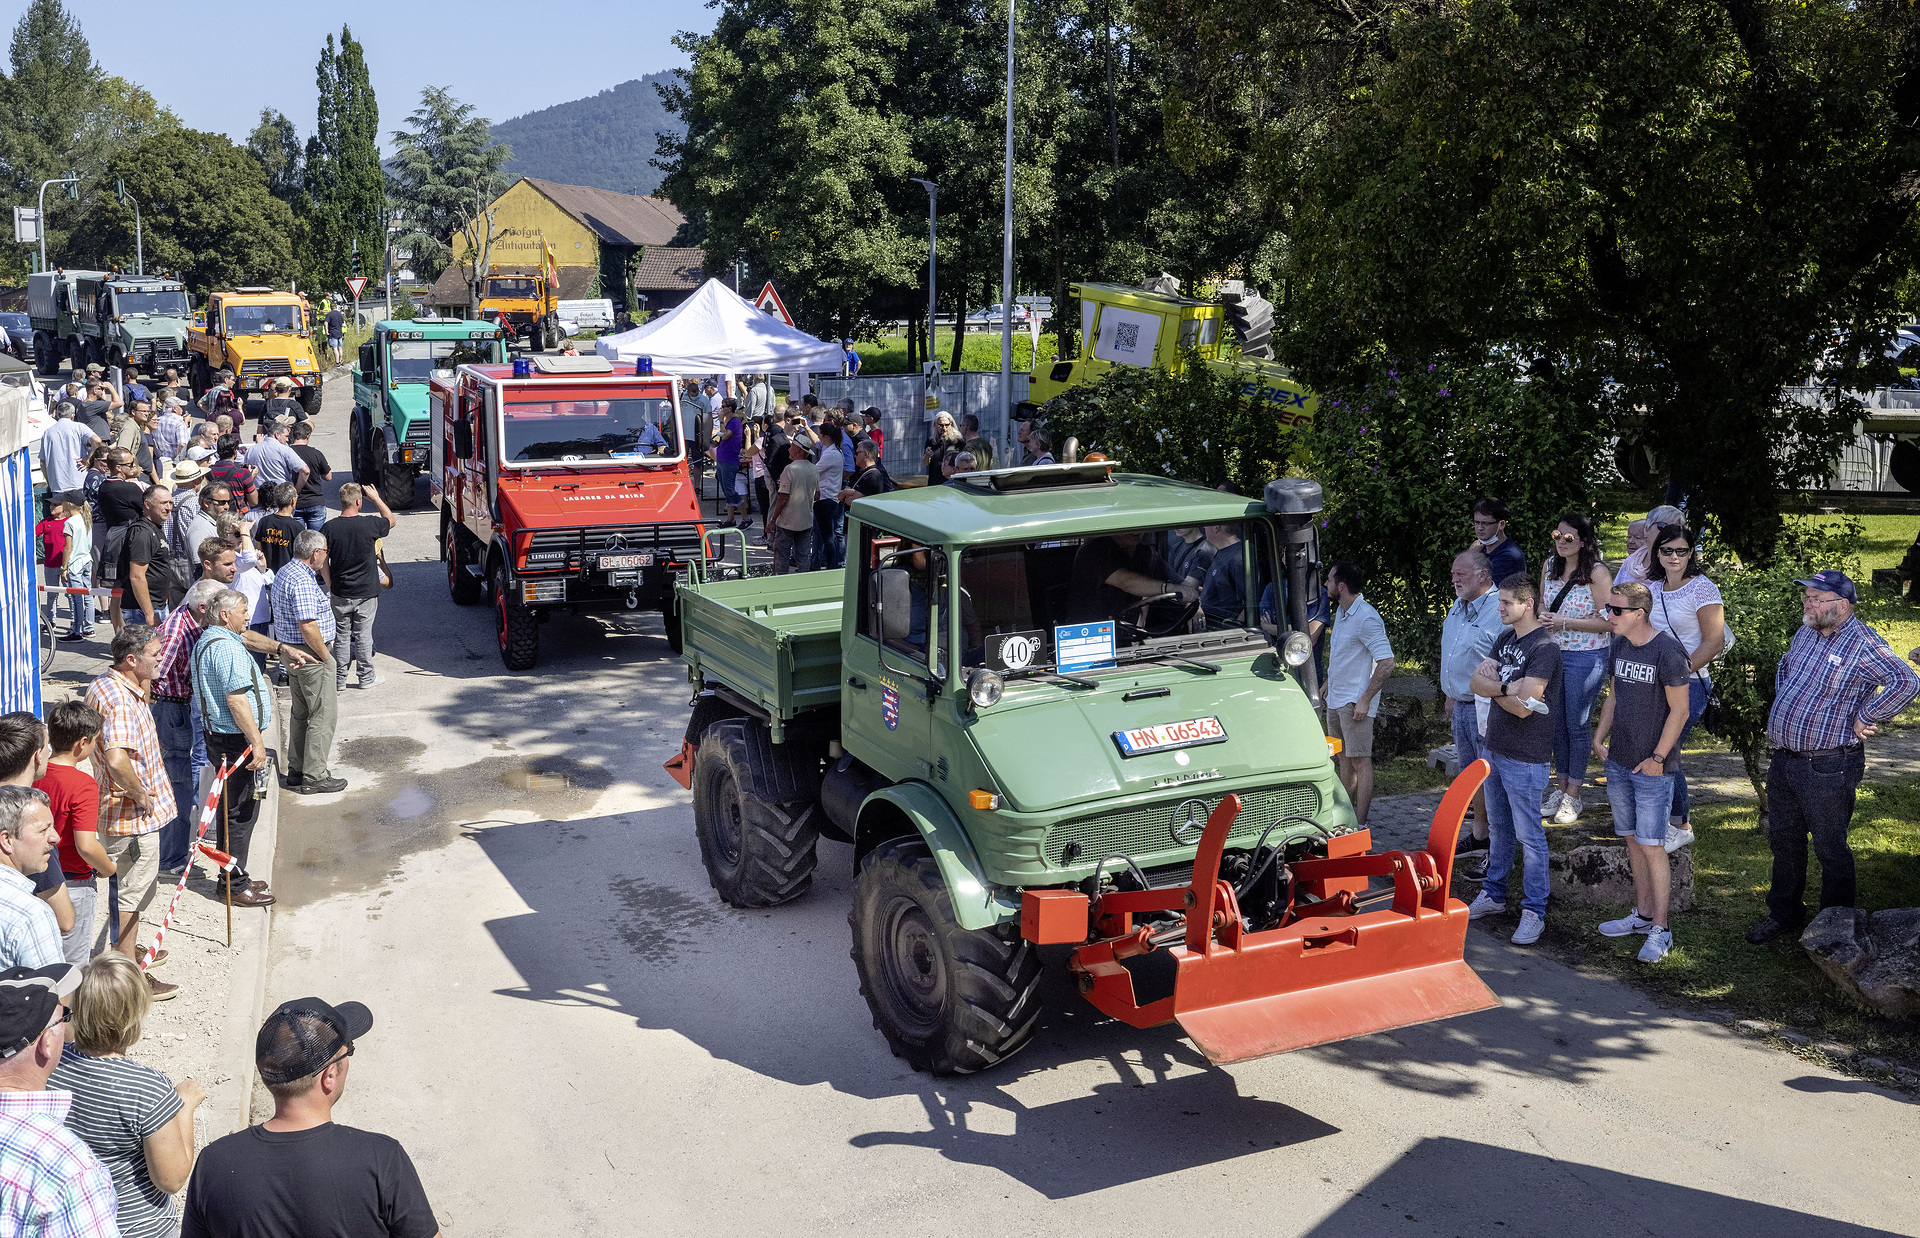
{"type": "Point", "coordinates": [1076, 682]}
{"type": "Point", "coordinates": [1167, 655]}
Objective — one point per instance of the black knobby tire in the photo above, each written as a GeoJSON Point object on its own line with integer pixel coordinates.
{"type": "Point", "coordinates": [517, 627]}
{"type": "Point", "coordinates": [360, 447]}
{"type": "Point", "coordinates": [949, 1000]}
{"type": "Point", "coordinates": [396, 486]}
{"type": "Point", "coordinates": [199, 376]}
{"type": "Point", "coordinates": [463, 586]}
{"type": "Point", "coordinates": [46, 354]}
{"type": "Point", "coordinates": [756, 812]}
{"type": "Point", "coordinates": [670, 620]}
{"type": "Point", "coordinates": [310, 400]}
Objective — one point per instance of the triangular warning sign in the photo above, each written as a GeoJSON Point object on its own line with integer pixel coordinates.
{"type": "Point", "coordinates": [770, 301]}
{"type": "Point", "coordinates": [356, 284]}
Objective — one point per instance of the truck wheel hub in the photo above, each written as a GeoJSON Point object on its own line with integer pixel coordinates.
{"type": "Point", "coordinates": [916, 972]}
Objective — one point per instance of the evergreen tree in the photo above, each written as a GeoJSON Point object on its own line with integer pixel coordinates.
{"type": "Point", "coordinates": [345, 199]}
{"type": "Point", "coordinates": [447, 167]}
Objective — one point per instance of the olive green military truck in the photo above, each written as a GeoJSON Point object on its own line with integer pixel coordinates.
{"type": "Point", "coordinates": [1038, 723]}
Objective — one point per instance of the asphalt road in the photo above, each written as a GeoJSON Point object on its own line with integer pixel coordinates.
{"type": "Point", "coordinates": [573, 1035]}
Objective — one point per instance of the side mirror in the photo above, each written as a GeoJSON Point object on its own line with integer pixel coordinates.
{"type": "Point", "coordinates": [366, 358]}
{"type": "Point", "coordinates": [463, 439]}
{"type": "Point", "coordinates": [892, 603]}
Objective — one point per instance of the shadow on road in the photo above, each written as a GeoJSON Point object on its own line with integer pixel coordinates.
{"type": "Point", "coordinates": [1453, 1186]}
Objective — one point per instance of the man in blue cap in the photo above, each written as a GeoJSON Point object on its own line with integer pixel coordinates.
{"type": "Point", "coordinates": [1837, 683]}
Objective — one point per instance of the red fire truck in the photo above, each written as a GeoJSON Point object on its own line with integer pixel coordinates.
{"type": "Point", "coordinates": [562, 486]}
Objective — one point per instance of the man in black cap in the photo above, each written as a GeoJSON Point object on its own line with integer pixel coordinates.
{"type": "Point", "coordinates": [54, 1184]}
{"type": "Point", "coordinates": [298, 1172]}
{"type": "Point", "coordinates": [1836, 685]}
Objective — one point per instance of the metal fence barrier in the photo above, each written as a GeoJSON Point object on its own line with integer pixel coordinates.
{"type": "Point", "coordinates": [906, 421]}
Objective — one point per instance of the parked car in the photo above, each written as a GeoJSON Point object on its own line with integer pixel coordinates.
{"type": "Point", "coordinates": [993, 314]}
{"type": "Point", "coordinates": [19, 334]}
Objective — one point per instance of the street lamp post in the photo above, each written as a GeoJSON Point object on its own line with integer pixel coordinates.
{"type": "Point", "coordinates": [58, 180]}
{"type": "Point", "coordinates": [1006, 253]}
{"type": "Point", "coordinates": [933, 220]}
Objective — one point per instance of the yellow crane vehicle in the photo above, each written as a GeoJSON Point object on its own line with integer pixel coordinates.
{"type": "Point", "coordinates": [260, 334]}
{"type": "Point", "coordinates": [1154, 327]}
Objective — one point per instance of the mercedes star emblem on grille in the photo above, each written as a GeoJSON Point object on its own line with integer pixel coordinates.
{"type": "Point", "coordinates": [1189, 820]}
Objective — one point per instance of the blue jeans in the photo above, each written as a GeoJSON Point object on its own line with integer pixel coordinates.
{"type": "Point", "coordinates": [1514, 791]}
{"type": "Point", "coordinates": [829, 530]}
{"type": "Point", "coordinates": [180, 745]}
{"type": "Point", "coordinates": [312, 517]}
{"type": "Point", "coordinates": [1466, 733]}
{"type": "Point", "coordinates": [1696, 705]}
{"type": "Point", "coordinates": [1582, 671]}
{"type": "Point", "coordinates": [79, 576]}
{"type": "Point", "coordinates": [726, 474]}
{"type": "Point", "coordinates": [1639, 803]}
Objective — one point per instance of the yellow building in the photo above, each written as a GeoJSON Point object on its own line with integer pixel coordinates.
{"type": "Point", "coordinates": [599, 240]}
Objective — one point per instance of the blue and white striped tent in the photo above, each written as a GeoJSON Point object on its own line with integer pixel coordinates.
{"type": "Point", "coordinates": [19, 595]}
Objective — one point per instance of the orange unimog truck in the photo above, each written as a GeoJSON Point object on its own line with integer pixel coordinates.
{"type": "Point", "coordinates": [523, 304]}
{"type": "Point", "coordinates": [260, 334]}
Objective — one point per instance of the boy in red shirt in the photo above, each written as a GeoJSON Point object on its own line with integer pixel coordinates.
{"type": "Point", "coordinates": [74, 729]}
{"type": "Point", "coordinates": [52, 533]}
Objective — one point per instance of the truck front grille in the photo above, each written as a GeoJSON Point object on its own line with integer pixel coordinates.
{"type": "Point", "coordinates": [1145, 831]}
{"type": "Point", "coordinates": [681, 538]}
{"type": "Point", "coordinates": [420, 432]}
{"type": "Point", "coordinates": [161, 352]}
{"type": "Point", "coordinates": [265, 365]}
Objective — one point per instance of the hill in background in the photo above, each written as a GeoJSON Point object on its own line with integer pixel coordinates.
{"type": "Point", "coordinates": [605, 141]}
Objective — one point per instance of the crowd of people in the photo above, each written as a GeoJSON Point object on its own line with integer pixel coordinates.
{"type": "Point", "coordinates": [1525, 656]}
{"type": "Point", "coordinates": [228, 572]}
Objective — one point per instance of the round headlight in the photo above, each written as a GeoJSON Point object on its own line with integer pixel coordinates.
{"type": "Point", "coordinates": [984, 687]}
{"type": "Point", "coordinates": [1296, 649]}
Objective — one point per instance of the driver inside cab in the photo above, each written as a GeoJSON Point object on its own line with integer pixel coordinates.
{"type": "Point", "coordinates": [1113, 575]}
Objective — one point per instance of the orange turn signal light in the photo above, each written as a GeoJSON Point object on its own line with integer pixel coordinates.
{"type": "Point", "coordinates": [985, 801]}
{"type": "Point", "coordinates": [1334, 747]}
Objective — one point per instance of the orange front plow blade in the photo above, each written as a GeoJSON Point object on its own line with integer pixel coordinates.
{"type": "Point", "coordinates": [1329, 971]}
{"type": "Point", "coordinates": [1285, 1021]}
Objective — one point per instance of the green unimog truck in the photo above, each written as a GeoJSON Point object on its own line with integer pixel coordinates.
{"type": "Point", "coordinates": [1033, 731]}
{"type": "Point", "coordinates": [108, 318]}
{"type": "Point", "coordinates": [390, 436]}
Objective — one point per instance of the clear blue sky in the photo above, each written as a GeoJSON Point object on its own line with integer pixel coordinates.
{"type": "Point", "coordinates": [216, 63]}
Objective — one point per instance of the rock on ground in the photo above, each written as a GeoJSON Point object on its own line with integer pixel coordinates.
{"type": "Point", "coordinates": [1597, 873]}
{"type": "Point", "coordinates": [1874, 956]}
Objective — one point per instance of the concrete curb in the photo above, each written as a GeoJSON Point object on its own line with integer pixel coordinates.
{"type": "Point", "coordinates": [230, 1102]}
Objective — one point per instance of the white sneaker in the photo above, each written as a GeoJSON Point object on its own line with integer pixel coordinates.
{"type": "Point", "coordinates": [1627, 926]}
{"type": "Point", "coordinates": [1484, 906]}
{"type": "Point", "coordinates": [1570, 807]}
{"type": "Point", "coordinates": [1551, 805]}
{"type": "Point", "coordinates": [1659, 941]}
{"type": "Point", "coordinates": [1677, 837]}
{"type": "Point", "coordinates": [1532, 924]}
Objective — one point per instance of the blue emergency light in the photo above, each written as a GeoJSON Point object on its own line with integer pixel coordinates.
{"type": "Point", "coordinates": [522, 368]}
{"type": "Point", "coordinates": [643, 367]}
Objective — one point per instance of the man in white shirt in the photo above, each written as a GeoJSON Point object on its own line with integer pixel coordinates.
{"type": "Point", "coordinates": [63, 449]}
{"type": "Point", "coordinates": [1359, 663]}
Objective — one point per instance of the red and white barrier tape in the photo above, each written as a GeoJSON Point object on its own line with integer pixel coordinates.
{"type": "Point", "coordinates": [200, 845]}
{"type": "Point", "coordinates": [99, 593]}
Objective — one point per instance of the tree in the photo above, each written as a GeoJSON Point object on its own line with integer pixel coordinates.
{"type": "Point", "coordinates": [275, 145]}
{"type": "Point", "coordinates": [205, 209]}
{"type": "Point", "coordinates": [446, 173]}
{"type": "Point", "coordinates": [345, 188]}
{"type": "Point", "coordinates": [1715, 196]}
{"type": "Point", "coordinates": [791, 150]}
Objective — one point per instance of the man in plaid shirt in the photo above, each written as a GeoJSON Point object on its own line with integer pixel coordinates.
{"type": "Point", "coordinates": [136, 799]}
{"type": "Point", "coordinates": [1837, 683]}
{"type": "Point", "coordinates": [51, 1184]}
{"type": "Point", "coordinates": [303, 619]}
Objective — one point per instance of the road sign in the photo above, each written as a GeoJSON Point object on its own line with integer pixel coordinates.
{"type": "Point", "coordinates": [356, 284]}
{"type": "Point", "coordinates": [1037, 302]}
{"type": "Point", "coordinates": [770, 301]}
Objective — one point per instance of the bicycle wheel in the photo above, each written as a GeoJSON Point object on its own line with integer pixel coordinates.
{"type": "Point", "coordinates": [48, 646]}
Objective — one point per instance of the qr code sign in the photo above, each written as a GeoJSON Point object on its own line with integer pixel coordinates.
{"type": "Point", "coordinates": [1126, 336]}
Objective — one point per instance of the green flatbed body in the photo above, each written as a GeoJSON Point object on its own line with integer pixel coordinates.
{"type": "Point", "coordinates": [773, 640]}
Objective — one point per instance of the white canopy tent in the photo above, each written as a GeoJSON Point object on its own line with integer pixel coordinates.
{"type": "Point", "coordinates": [717, 331]}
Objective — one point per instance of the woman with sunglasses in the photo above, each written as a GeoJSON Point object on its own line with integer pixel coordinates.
{"type": "Point", "coordinates": [1688, 606]}
{"type": "Point", "coordinates": [1573, 577]}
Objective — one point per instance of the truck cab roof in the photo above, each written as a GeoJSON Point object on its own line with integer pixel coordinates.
{"type": "Point", "coordinates": [436, 328]}
{"type": "Point", "coordinates": [979, 511]}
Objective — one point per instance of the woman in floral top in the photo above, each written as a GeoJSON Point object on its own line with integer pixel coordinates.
{"type": "Point", "coordinates": [1574, 586]}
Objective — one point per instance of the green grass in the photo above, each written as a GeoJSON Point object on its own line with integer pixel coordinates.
{"type": "Point", "coordinates": [980, 351]}
{"type": "Point", "coordinates": [1408, 774]}
{"type": "Point", "coordinates": [1711, 962]}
